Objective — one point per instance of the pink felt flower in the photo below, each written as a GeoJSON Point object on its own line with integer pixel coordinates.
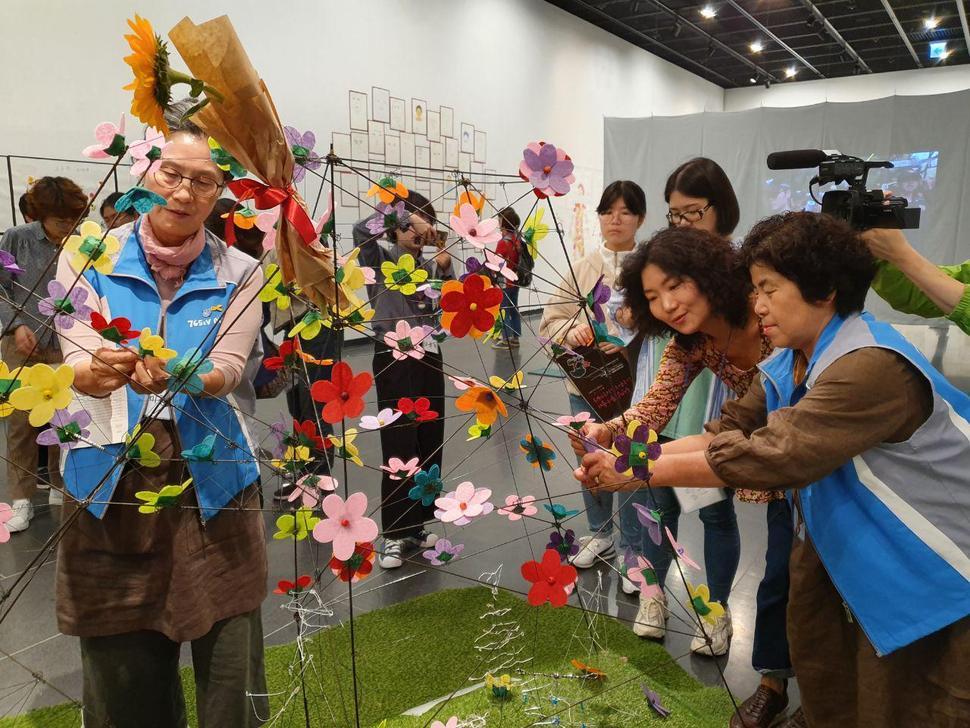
{"type": "Point", "coordinates": [405, 340]}
{"type": "Point", "coordinates": [6, 513]}
{"type": "Point", "coordinates": [308, 489]}
{"type": "Point", "coordinates": [110, 140]}
{"type": "Point", "coordinates": [495, 262]}
{"type": "Point", "coordinates": [344, 524]}
{"type": "Point", "coordinates": [517, 508]}
{"type": "Point", "coordinates": [452, 723]}
{"type": "Point", "coordinates": [266, 221]}
{"type": "Point", "coordinates": [463, 383]}
{"type": "Point", "coordinates": [479, 233]}
{"type": "Point", "coordinates": [463, 504]}
{"type": "Point", "coordinates": [400, 470]}
{"type": "Point", "coordinates": [644, 575]}
{"type": "Point", "coordinates": [385, 417]}
{"type": "Point", "coordinates": [146, 151]}
{"type": "Point", "coordinates": [548, 169]}
{"type": "Point", "coordinates": [574, 422]}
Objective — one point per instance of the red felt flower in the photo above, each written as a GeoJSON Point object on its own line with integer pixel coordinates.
{"type": "Point", "coordinates": [550, 579]}
{"type": "Point", "coordinates": [343, 394]}
{"type": "Point", "coordinates": [117, 330]}
{"type": "Point", "coordinates": [418, 409]}
{"type": "Point", "coordinates": [305, 433]}
{"type": "Point", "coordinates": [291, 354]}
{"type": "Point", "coordinates": [469, 306]}
{"type": "Point", "coordinates": [359, 565]}
{"type": "Point", "coordinates": [291, 589]}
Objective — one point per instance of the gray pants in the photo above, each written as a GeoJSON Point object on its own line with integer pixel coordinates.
{"type": "Point", "coordinates": [133, 679]}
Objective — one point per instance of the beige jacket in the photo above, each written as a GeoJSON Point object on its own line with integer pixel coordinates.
{"type": "Point", "coordinates": [562, 312]}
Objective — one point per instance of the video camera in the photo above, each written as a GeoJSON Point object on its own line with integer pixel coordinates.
{"type": "Point", "coordinates": [861, 208]}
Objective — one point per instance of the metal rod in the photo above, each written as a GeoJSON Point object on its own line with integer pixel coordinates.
{"type": "Point", "coordinates": [764, 29]}
{"type": "Point", "coordinates": [13, 202]}
{"type": "Point", "coordinates": [902, 33]}
{"type": "Point", "coordinates": [836, 36]}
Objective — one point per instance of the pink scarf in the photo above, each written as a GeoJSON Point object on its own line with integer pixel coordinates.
{"type": "Point", "coordinates": [170, 262]}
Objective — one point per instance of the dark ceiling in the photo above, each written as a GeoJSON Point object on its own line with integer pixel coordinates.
{"type": "Point", "coordinates": [813, 39]}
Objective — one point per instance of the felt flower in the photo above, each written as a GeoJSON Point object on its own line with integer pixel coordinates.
{"type": "Point", "coordinates": [150, 344]}
{"type": "Point", "coordinates": [296, 525]}
{"type": "Point", "coordinates": [64, 306]}
{"type": "Point", "coordinates": [644, 574]}
{"type": "Point", "coordinates": [700, 602]}
{"type": "Point", "coordinates": [451, 723]}
{"type": "Point", "coordinates": [139, 448]}
{"type": "Point", "coordinates": [267, 221]}
{"type": "Point", "coordinates": [402, 276]}
{"type": "Point", "coordinates": [680, 551]}
{"type": "Point", "coordinates": [559, 512]}
{"type": "Point", "coordinates": [397, 469]}
{"type": "Point", "coordinates": [146, 151]}
{"type": "Point", "coordinates": [427, 486]}
{"type": "Point", "coordinates": [305, 434]}
{"type": "Point", "coordinates": [345, 448]}
{"type": "Point", "coordinates": [302, 147]}
{"type": "Point", "coordinates": [486, 404]}
{"type": "Point", "coordinates": [548, 169]}
{"type": "Point", "coordinates": [550, 579]}
{"type": "Point", "coordinates": [110, 141]}
{"type": "Point", "coordinates": [386, 189]}
{"type": "Point", "coordinates": [499, 687]}
{"type": "Point", "coordinates": [351, 274]}
{"type": "Point", "coordinates": [8, 384]}
{"type": "Point", "coordinates": [359, 565]}
{"type": "Point", "coordinates": [201, 451]}
{"type": "Point", "coordinates": [650, 520]}
{"type": "Point", "coordinates": [478, 430]}
{"type": "Point", "coordinates": [294, 459]}
{"type": "Point", "coordinates": [534, 230]}
{"type": "Point", "coordinates": [140, 200]}
{"type": "Point", "coordinates": [496, 263]}
{"type": "Point", "coordinates": [537, 452]}
{"type": "Point", "coordinates": [355, 316]}
{"type": "Point", "coordinates": [597, 297]}
{"type": "Point", "coordinates": [325, 226]}
{"type": "Point", "coordinates": [293, 589]}
{"type": "Point", "coordinates": [418, 410]}
{"type": "Point", "coordinates": [463, 504]}
{"type": "Point", "coordinates": [275, 290]}
{"type": "Point", "coordinates": [602, 335]}
{"type": "Point", "coordinates": [405, 340]}
{"type": "Point", "coordinates": [308, 327]}
{"type": "Point", "coordinates": [386, 416]}
{"type": "Point", "coordinates": [343, 394]}
{"type": "Point", "coordinates": [432, 289]}
{"type": "Point", "coordinates": [636, 450]}
{"type": "Point", "coordinates": [464, 383]}
{"type": "Point", "coordinates": [167, 497]}
{"type": "Point", "coordinates": [513, 383]}
{"type": "Point", "coordinates": [6, 513]}
{"type": "Point", "coordinates": [574, 422]}
{"type": "Point", "coordinates": [443, 552]}
{"type": "Point", "coordinates": [308, 489]}
{"type": "Point", "coordinates": [66, 430]}
{"type": "Point", "coordinates": [563, 543]}
{"type": "Point", "coordinates": [118, 330]}
{"type": "Point", "coordinates": [290, 355]}
{"type": "Point", "coordinates": [186, 373]}
{"type": "Point", "coordinates": [469, 306]}
{"type": "Point", "coordinates": [478, 233]}
{"type": "Point", "coordinates": [467, 197]}
{"type": "Point", "coordinates": [87, 249]}
{"type": "Point", "coordinates": [587, 671]}
{"type": "Point", "coordinates": [344, 524]}
{"type": "Point", "coordinates": [653, 700]}
{"type": "Point", "coordinates": [42, 391]}
{"type": "Point", "coordinates": [388, 217]}
{"type": "Point", "coordinates": [9, 263]}
{"type": "Point", "coordinates": [517, 507]}
{"type": "Point", "coordinates": [225, 161]}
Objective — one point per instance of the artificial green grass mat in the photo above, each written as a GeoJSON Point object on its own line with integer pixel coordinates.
{"type": "Point", "coordinates": [425, 648]}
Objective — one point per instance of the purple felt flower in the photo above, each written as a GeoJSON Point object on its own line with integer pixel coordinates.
{"type": "Point", "coordinates": [472, 266]}
{"type": "Point", "coordinates": [63, 306]}
{"type": "Point", "coordinates": [597, 297]}
{"type": "Point", "coordinates": [443, 552]}
{"type": "Point", "coordinates": [9, 263]}
{"type": "Point", "coordinates": [66, 429]}
{"type": "Point", "coordinates": [654, 701]}
{"type": "Point", "coordinates": [637, 451]}
{"type": "Point", "coordinates": [302, 147]}
{"type": "Point", "coordinates": [546, 172]}
{"type": "Point", "coordinates": [564, 543]}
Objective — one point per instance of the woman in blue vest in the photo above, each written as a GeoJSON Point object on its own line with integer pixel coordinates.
{"type": "Point", "coordinates": [874, 443]}
{"type": "Point", "coordinates": [131, 585]}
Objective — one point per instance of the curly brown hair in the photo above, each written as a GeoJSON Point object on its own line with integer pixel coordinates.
{"type": "Point", "coordinates": [819, 253]}
{"type": "Point", "coordinates": [56, 197]}
{"type": "Point", "coordinates": [708, 260]}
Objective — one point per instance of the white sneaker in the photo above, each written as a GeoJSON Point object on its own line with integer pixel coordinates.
{"type": "Point", "coordinates": [424, 540]}
{"type": "Point", "coordinates": [626, 585]}
{"type": "Point", "coordinates": [23, 511]}
{"type": "Point", "coordinates": [592, 548]}
{"type": "Point", "coordinates": [55, 497]}
{"type": "Point", "coordinates": [392, 555]}
{"type": "Point", "coordinates": [720, 634]}
{"type": "Point", "coordinates": [651, 618]}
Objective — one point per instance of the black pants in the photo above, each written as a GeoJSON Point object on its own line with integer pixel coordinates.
{"type": "Point", "coordinates": [414, 378]}
{"type": "Point", "coordinates": [325, 345]}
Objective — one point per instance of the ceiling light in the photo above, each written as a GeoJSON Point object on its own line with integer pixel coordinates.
{"type": "Point", "coordinates": [708, 11]}
{"type": "Point", "coordinates": [945, 55]}
{"type": "Point", "coordinates": [756, 47]}
{"type": "Point", "coordinates": [791, 71]}
{"type": "Point", "coordinates": [931, 22]}
{"type": "Point", "coordinates": [753, 80]}
{"type": "Point", "coordinates": [938, 49]}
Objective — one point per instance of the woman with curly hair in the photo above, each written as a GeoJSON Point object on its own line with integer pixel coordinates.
{"type": "Point", "coordinates": [872, 440]}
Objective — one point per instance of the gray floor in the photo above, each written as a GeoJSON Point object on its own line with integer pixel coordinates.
{"type": "Point", "coordinates": [41, 667]}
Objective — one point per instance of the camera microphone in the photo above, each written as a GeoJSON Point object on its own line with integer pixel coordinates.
{"type": "Point", "coordinates": [798, 159]}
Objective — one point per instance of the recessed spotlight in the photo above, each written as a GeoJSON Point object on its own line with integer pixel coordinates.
{"type": "Point", "coordinates": [938, 50]}
{"type": "Point", "coordinates": [931, 22]}
{"type": "Point", "coordinates": [708, 11]}
{"type": "Point", "coordinates": [753, 80]}
{"type": "Point", "coordinates": [756, 47]}
{"type": "Point", "coordinates": [791, 71]}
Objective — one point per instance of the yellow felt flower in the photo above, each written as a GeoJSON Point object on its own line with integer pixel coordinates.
{"type": "Point", "coordinates": [150, 344]}
{"type": "Point", "coordinates": [275, 289]}
{"type": "Point", "coordinates": [167, 497]}
{"type": "Point", "coordinates": [296, 526]}
{"type": "Point", "coordinates": [88, 250]}
{"type": "Point", "coordinates": [513, 383]}
{"type": "Point", "coordinates": [42, 391]}
{"type": "Point", "coordinates": [141, 450]}
{"type": "Point", "coordinates": [402, 276]}
{"type": "Point", "coordinates": [355, 316]}
{"type": "Point", "coordinates": [535, 230]}
{"type": "Point", "coordinates": [387, 189]}
{"type": "Point", "coordinates": [293, 458]}
{"type": "Point", "coordinates": [344, 447]}
{"type": "Point", "coordinates": [350, 275]}
{"type": "Point", "coordinates": [308, 327]}
{"type": "Point", "coordinates": [8, 384]}
{"type": "Point", "coordinates": [500, 687]}
{"type": "Point", "coordinates": [149, 62]}
{"type": "Point", "coordinates": [700, 602]}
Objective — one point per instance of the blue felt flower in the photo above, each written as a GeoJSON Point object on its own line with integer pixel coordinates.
{"type": "Point", "coordinates": [201, 451]}
{"type": "Point", "coordinates": [185, 372]}
{"type": "Point", "coordinates": [427, 486]}
{"type": "Point", "coordinates": [140, 200]}
{"type": "Point", "coordinates": [559, 511]}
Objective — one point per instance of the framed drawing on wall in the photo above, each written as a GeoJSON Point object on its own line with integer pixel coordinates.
{"type": "Point", "coordinates": [399, 114]}
{"type": "Point", "coordinates": [376, 138]}
{"type": "Point", "coordinates": [341, 145]}
{"type": "Point", "coordinates": [358, 110]}
{"type": "Point", "coordinates": [467, 138]}
{"type": "Point", "coordinates": [434, 126]}
{"type": "Point", "coordinates": [451, 153]}
{"type": "Point", "coordinates": [437, 155]}
{"type": "Point", "coordinates": [447, 121]}
{"type": "Point", "coordinates": [380, 104]}
{"type": "Point", "coordinates": [358, 146]}
{"type": "Point", "coordinates": [348, 189]}
{"type": "Point", "coordinates": [407, 150]}
{"type": "Point", "coordinates": [422, 156]}
{"type": "Point", "coordinates": [392, 149]}
{"type": "Point", "coordinates": [419, 116]}
{"type": "Point", "coordinates": [479, 154]}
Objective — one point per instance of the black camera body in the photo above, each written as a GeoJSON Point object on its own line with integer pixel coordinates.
{"type": "Point", "coordinates": [861, 208]}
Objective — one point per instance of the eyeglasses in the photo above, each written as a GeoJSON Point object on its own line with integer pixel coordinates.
{"type": "Point", "coordinates": [691, 216]}
{"type": "Point", "coordinates": [200, 186]}
{"type": "Point", "coordinates": [622, 214]}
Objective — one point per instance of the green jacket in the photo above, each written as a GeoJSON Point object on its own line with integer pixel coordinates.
{"type": "Point", "coordinates": [903, 295]}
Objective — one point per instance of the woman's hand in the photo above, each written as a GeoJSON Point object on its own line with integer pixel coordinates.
{"type": "Point", "coordinates": [580, 336]}
{"type": "Point", "coordinates": [108, 370]}
{"type": "Point", "coordinates": [24, 340]}
{"type": "Point", "coordinates": [598, 472]}
{"type": "Point", "coordinates": [607, 348]}
{"type": "Point", "coordinates": [888, 244]}
{"type": "Point", "coordinates": [149, 376]}
{"type": "Point", "coordinates": [594, 431]}
{"type": "Point", "coordinates": [624, 317]}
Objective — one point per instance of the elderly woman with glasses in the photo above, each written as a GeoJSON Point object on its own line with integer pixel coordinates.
{"type": "Point", "coordinates": [133, 583]}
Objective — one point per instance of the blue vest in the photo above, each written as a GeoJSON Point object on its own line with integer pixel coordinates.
{"type": "Point", "coordinates": [191, 326]}
{"type": "Point", "coordinates": [892, 525]}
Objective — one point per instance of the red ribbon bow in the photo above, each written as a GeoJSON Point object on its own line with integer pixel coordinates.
{"type": "Point", "coordinates": [265, 197]}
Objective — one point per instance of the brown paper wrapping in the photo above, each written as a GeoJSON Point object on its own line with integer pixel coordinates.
{"type": "Point", "coordinates": [247, 126]}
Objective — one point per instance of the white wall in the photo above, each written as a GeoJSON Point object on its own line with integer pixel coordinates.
{"type": "Point", "coordinates": [851, 88]}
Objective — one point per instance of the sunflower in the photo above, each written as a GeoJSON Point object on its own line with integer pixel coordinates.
{"type": "Point", "coordinates": [151, 85]}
